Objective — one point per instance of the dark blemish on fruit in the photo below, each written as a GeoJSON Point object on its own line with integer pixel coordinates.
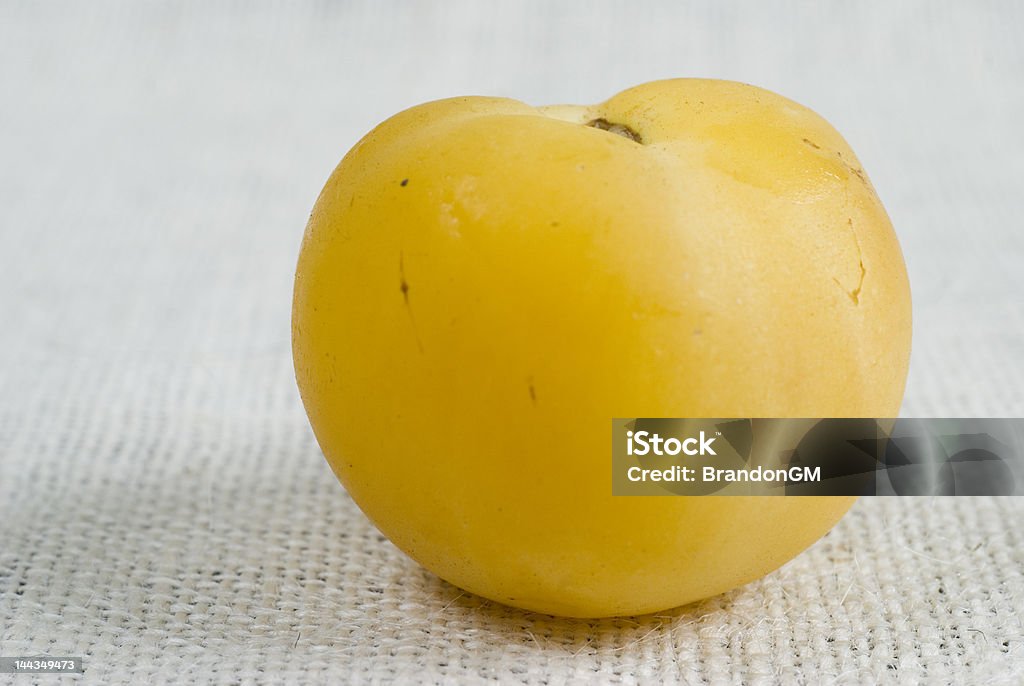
{"type": "Point", "coordinates": [619, 129]}
{"type": "Point", "coordinates": [404, 287]}
{"type": "Point", "coordinates": [533, 394]}
{"type": "Point", "coordinates": [405, 182]}
{"type": "Point", "coordinates": [812, 144]}
{"type": "Point", "coordinates": [554, 223]}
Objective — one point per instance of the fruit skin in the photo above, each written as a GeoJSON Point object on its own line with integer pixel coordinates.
{"type": "Point", "coordinates": [483, 285]}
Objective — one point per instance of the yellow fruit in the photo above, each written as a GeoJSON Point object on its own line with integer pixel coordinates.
{"type": "Point", "coordinates": [483, 285]}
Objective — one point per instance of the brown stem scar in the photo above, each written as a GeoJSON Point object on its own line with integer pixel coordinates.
{"type": "Point", "coordinates": [619, 129]}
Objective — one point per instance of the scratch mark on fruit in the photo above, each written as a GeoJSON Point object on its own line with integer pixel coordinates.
{"type": "Point", "coordinates": [854, 294]}
{"type": "Point", "coordinates": [860, 283]}
{"type": "Point", "coordinates": [404, 287]}
{"type": "Point", "coordinates": [856, 171]}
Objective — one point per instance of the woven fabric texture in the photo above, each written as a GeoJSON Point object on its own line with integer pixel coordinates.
{"type": "Point", "coordinates": [164, 509]}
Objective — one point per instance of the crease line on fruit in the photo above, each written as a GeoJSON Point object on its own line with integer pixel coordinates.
{"type": "Point", "coordinates": [616, 128]}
